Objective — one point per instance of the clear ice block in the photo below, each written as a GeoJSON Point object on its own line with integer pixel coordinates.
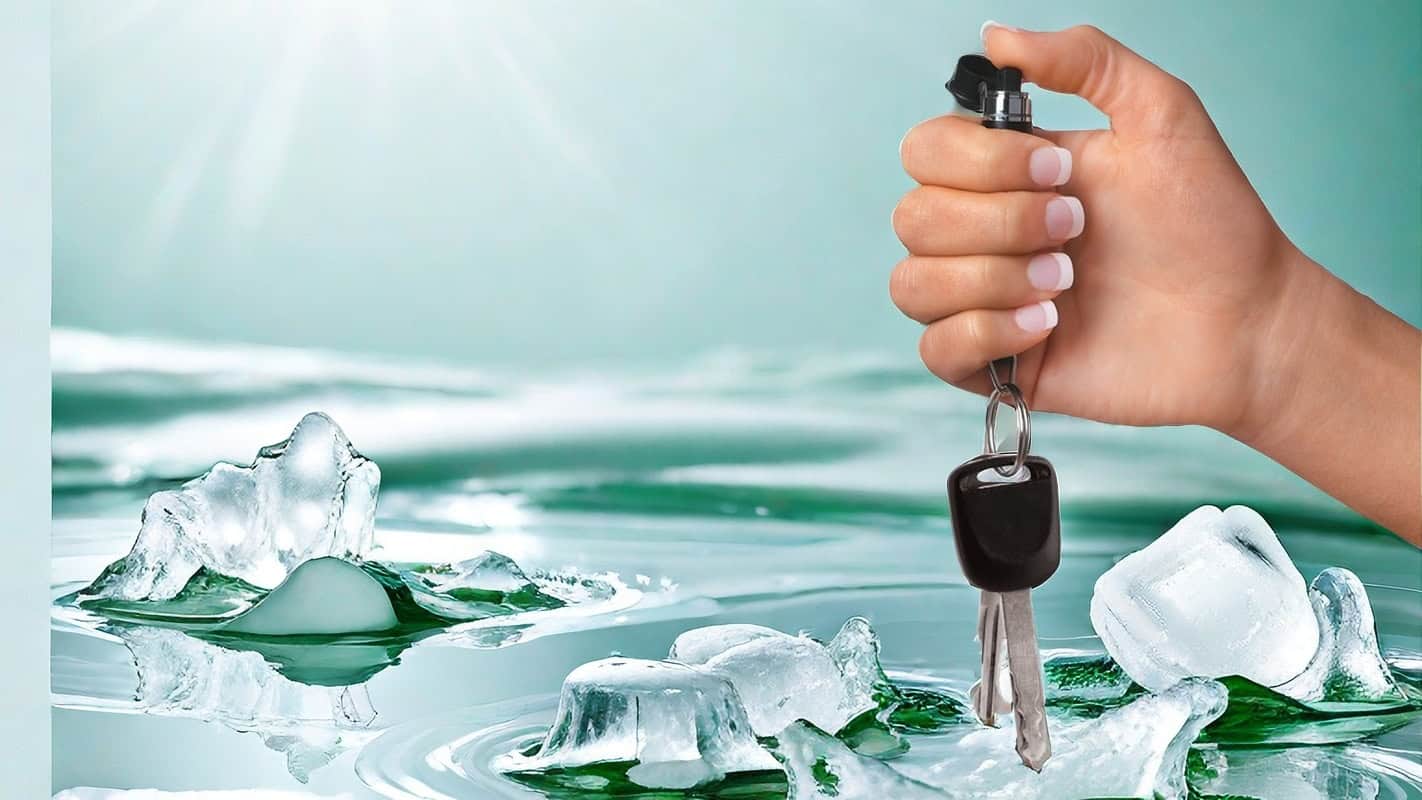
{"type": "Point", "coordinates": [1347, 667]}
{"type": "Point", "coordinates": [783, 678]}
{"type": "Point", "coordinates": [309, 496]}
{"type": "Point", "coordinates": [677, 726]}
{"type": "Point", "coordinates": [1215, 596]}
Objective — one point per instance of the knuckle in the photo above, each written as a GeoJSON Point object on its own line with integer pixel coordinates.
{"type": "Point", "coordinates": [973, 331]}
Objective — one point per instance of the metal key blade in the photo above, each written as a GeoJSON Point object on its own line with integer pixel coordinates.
{"type": "Point", "coordinates": [990, 634]}
{"type": "Point", "coordinates": [1024, 662]}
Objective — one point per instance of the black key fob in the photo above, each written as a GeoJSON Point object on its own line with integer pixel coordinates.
{"type": "Point", "coordinates": [1007, 531]}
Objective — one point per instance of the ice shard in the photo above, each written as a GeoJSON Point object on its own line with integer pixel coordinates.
{"type": "Point", "coordinates": [673, 726]}
{"type": "Point", "coordinates": [1216, 595]}
{"type": "Point", "coordinates": [185, 677]}
{"type": "Point", "coordinates": [309, 496]}
{"type": "Point", "coordinates": [820, 767]}
{"type": "Point", "coordinates": [1348, 667]}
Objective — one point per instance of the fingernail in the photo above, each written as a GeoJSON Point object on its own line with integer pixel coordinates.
{"type": "Point", "coordinates": [1037, 317]}
{"type": "Point", "coordinates": [1065, 218]}
{"type": "Point", "coordinates": [1050, 166]}
{"type": "Point", "coordinates": [1050, 272]}
{"type": "Point", "coordinates": [982, 32]}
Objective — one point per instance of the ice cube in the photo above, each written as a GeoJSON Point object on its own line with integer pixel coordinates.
{"type": "Point", "coordinates": [679, 726]}
{"type": "Point", "coordinates": [698, 645]}
{"type": "Point", "coordinates": [322, 596]}
{"type": "Point", "coordinates": [1137, 750]}
{"type": "Point", "coordinates": [1215, 596]}
{"type": "Point", "coordinates": [818, 765]}
{"type": "Point", "coordinates": [185, 677]}
{"type": "Point", "coordinates": [309, 496]}
{"type": "Point", "coordinates": [1347, 668]}
{"type": "Point", "coordinates": [782, 678]}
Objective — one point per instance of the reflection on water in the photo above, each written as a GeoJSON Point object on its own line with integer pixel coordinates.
{"type": "Point", "coordinates": [792, 492]}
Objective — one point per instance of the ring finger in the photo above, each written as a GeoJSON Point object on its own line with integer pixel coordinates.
{"type": "Point", "coordinates": [928, 288]}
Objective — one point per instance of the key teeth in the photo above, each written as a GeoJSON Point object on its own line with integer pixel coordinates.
{"type": "Point", "coordinates": [1033, 761]}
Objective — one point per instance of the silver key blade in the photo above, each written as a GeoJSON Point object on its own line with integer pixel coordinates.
{"type": "Point", "coordinates": [1024, 662]}
{"type": "Point", "coordinates": [990, 635]}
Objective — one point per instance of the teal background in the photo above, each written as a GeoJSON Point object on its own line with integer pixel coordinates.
{"type": "Point", "coordinates": [549, 182]}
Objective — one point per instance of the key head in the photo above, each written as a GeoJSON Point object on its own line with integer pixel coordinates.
{"type": "Point", "coordinates": [1007, 532]}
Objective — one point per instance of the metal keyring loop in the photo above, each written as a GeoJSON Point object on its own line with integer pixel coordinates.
{"type": "Point", "coordinates": [1024, 427]}
{"type": "Point", "coordinates": [998, 383]}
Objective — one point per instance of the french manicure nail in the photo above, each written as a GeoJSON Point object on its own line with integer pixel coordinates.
{"type": "Point", "coordinates": [1065, 218]}
{"type": "Point", "coordinates": [982, 32]}
{"type": "Point", "coordinates": [1050, 272]}
{"type": "Point", "coordinates": [1050, 166]}
{"type": "Point", "coordinates": [1037, 317]}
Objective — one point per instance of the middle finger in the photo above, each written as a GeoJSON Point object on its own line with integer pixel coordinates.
{"type": "Point", "coordinates": [935, 221]}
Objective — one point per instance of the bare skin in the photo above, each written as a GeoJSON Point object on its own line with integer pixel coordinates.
{"type": "Point", "coordinates": [1184, 303]}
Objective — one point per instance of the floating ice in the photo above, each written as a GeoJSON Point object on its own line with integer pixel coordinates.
{"type": "Point", "coordinates": [487, 585]}
{"type": "Point", "coordinates": [782, 678]}
{"type": "Point", "coordinates": [818, 765]}
{"type": "Point", "coordinates": [676, 725]}
{"type": "Point", "coordinates": [185, 677]}
{"type": "Point", "coordinates": [312, 495]}
{"type": "Point", "coordinates": [322, 596]}
{"type": "Point", "coordinates": [1215, 596]}
{"type": "Point", "coordinates": [1347, 668]}
{"type": "Point", "coordinates": [1137, 750]}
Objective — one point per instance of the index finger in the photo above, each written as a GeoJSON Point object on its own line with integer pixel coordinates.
{"type": "Point", "coordinates": [960, 153]}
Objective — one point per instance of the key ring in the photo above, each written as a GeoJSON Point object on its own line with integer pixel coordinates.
{"type": "Point", "coordinates": [1024, 426]}
{"type": "Point", "coordinates": [997, 383]}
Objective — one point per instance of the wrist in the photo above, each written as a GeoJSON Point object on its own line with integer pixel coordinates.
{"type": "Point", "coordinates": [1318, 344]}
{"type": "Point", "coordinates": [1308, 330]}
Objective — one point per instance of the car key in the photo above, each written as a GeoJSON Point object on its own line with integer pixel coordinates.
{"type": "Point", "coordinates": [1008, 540]}
{"type": "Point", "coordinates": [1004, 505]}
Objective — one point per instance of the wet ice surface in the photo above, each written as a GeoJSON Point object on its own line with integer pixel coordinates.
{"type": "Point", "coordinates": [1216, 595]}
{"type": "Point", "coordinates": [783, 678]}
{"type": "Point", "coordinates": [309, 496]}
{"type": "Point", "coordinates": [1138, 750]}
{"type": "Point", "coordinates": [674, 725]}
{"type": "Point", "coordinates": [1347, 666]}
{"type": "Point", "coordinates": [791, 493]}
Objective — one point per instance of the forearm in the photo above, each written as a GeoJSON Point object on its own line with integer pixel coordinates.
{"type": "Point", "coordinates": [1337, 397]}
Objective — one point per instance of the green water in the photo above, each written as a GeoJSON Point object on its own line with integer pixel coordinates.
{"type": "Point", "coordinates": [788, 492]}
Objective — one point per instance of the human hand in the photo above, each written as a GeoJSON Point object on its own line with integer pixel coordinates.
{"type": "Point", "coordinates": [1173, 267]}
{"type": "Point", "coordinates": [1143, 282]}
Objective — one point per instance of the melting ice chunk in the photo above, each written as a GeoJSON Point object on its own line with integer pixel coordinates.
{"type": "Point", "coordinates": [1347, 668]}
{"type": "Point", "coordinates": [679, 726]}
{"type": "Point", "coordinates": [491, 583]}
{"type": "Point", "coordinates": [312, 495]}
{"type": "Point", "coordinates": [322, 596]}
{"type": "Point", "coordinates": [182, 676]}
{"type": "Point", "coordinates": [783, 678]}
{"type": "Point", "coordinates": [1137, 750]}
{"type": "Point", "coordinates": [818, 765]}
{"type": "Point", "coordinates": [1215, 596]}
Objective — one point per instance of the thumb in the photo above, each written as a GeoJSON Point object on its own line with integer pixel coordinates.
{"type": "Point", "coordinates": [1084, 61]}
